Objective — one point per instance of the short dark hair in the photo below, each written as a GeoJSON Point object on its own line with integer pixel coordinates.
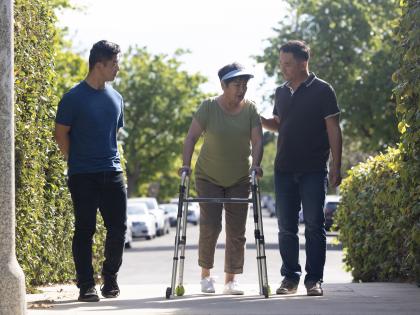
{"type": "Point", "coordinates": [102, 51]}
{"type": "Point", "coordinates": [231, 67]}
{"type": "Point", "coordinates": [298, 48]}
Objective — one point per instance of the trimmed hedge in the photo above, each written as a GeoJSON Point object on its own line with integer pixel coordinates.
{"type": "Point", "coordinates": [379, 220]}
{"type": "Point", "coordinates": [44, 215]}
{"type": "Point", "coordinates": [379, 215]}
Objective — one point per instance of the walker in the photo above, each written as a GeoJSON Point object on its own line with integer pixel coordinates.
{"type": "Point", "coordinates": [181, 237]}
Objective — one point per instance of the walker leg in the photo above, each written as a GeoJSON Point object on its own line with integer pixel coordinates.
{"type": "Point", "coordinates": [259, 239]}
{"type": "Point", "coordinates": [179, 242]}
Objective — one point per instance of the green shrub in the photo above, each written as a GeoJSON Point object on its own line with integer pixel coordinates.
{"type": "Point", "coordinates": [44, 212]}
{"type": "Point", "coordinates": [379, 220]}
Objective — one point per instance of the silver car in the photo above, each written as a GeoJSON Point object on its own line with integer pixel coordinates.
{"type": "Point", "coordinates": [162, 219]}
{"type": "Point", "coordinates": [143, 223]}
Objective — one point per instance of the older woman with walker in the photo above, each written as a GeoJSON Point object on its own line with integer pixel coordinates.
{"type": "Point", "coordinates": [232, 133]}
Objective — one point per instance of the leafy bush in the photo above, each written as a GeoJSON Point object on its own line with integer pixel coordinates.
{"type": "Point", "coordinates": [379, 220]}
{"type": "Point", "coordinates": [380, 211]}
{"type": "Point", "coordinates": [44, 212]}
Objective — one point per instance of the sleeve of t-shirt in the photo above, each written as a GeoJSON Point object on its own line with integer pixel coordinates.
{"type": "Point", "coordinates": [255, 117]}
{"type": "Point", "coordinates": [202, 114]}
{"type": "Point", "coordinates": [275, 110]}
{"type": "Point", "coordinates": [121, 118]}
{"type": "Point", "coordinates": [65, 112]}
{"type": "Point", "coordinates": [329, 104]}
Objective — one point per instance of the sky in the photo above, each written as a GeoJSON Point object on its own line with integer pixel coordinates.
{"type": "Point", "coordinates": [217, 32]}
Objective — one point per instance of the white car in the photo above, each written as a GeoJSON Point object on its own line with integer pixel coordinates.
{"type": "Point", "coordinates": [171, 211]}
{"type": "Point", "coordinates": [193, 214]}
{"type": "Point", "coordinates": [162, 219]}
{"type": "Point", "coordinates": [128, 235]}
{"type": "Point", "coordinates": [143, 223]}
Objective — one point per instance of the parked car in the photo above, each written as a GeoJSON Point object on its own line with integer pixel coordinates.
{"type": "Point", "coordinates": [162, 220]}
{"type": "Point", "coordinates": [193, 214]}
{"type": "Point", "coordinates": [171, 210]}
{"type": "Point", "coordinates": [331, 203]}
{"type": "Point", "coordinates": [128, 235]}
{"type": "Point", "coordinates": [330, 206]}
{"type": "Point", "coordinates": [143, 223]}
{"type": "Point", "coordinates": [265, 199]}
{"type": "Point", "coordinates": [271, 207]}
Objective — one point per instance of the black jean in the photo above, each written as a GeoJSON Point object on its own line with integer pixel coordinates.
{"type": "Point", "coordinates": [105, 191]}
{"type": "Point", "coordinates": [308, 190]}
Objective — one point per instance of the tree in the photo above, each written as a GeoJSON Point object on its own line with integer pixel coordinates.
{"type": "Point", "coordinates": [159, 101]}
{"type": "Point", "coordinates": [352, 48]}
{"type": "Point", "coordinates": [70, 67]}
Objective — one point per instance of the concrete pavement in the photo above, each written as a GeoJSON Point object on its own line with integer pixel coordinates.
{"type": "Point", "coordinates": [339, 299]}
{"type": "Point", "coordinates": [146, 272]}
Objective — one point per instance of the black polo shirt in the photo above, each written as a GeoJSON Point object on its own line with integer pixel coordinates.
{"type": "Point", "coordinates": [302, 144]}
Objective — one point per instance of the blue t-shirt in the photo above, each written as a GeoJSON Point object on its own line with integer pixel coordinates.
{"type": "Point", "coordinates": [94, 117]}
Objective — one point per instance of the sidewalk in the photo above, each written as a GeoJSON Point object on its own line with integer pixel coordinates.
{"type": "Point", "coordinates": [346, 298]}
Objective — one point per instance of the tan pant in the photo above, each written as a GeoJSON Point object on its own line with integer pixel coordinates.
{"type": "Point", "coordinates": [211, 224]}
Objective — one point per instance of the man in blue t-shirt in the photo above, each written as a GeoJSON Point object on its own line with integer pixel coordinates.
{"type": "Point", "coordinates": [306, 117]}
{"type": "Point", "coordinates": [87, 122]}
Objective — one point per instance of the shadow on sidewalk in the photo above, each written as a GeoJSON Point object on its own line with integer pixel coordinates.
{"type": "Point", "coordinates": [338, 299]}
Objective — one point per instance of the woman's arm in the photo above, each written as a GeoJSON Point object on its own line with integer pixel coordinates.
{"type": "Point", "coordinates": [193, 135]}
{"type": "Point", "coordinates": [257, 149]}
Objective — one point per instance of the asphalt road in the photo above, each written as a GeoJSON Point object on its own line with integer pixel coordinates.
{"type": "Point", "coordinates": [150, 261]}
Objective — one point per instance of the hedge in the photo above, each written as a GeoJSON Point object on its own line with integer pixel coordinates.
{"type": "Point", "coordinates": [44, 212]}
{"type": "Point", "coordinates": [379, 216]}
{"type": "Point", "coordinates": [379, 220]}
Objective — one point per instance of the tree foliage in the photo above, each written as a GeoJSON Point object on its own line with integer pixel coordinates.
{"type": "Point", "coordinates": [408, 108]}
{"type": "Point", "coordinates": [379, 216]}
{"type": "Point", "coordinates": [159, 101]}
{"type": "Point", "coordinates": [70, 67]}
{"type": "Point", "coordinates": [352, 48]}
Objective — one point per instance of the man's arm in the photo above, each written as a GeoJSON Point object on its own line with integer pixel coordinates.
{"type": "Point", "coordinates": [335, 139]}
{"type": "Point", "coordinates": [271, 124]}
{"type": "Point", "coordinates": [257, 149]}
{"type": "Point", "coordinates": [62, 138]}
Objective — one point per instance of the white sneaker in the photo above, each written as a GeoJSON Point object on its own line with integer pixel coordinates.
{"type": "Point", "coordinates": [207, 285]}
{"type": "Point", "coordinates": [232, 288]}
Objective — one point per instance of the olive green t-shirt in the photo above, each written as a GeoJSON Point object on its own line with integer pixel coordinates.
{"type": "Point", "coordinates": [224, 156]}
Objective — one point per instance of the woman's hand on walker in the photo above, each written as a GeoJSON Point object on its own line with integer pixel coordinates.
{"type": "Point", "coordinates": [184, 168]}
{"type": "Point", "coordinates": [258, 171]}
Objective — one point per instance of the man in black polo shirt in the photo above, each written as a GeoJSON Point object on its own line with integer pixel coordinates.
{"type": "Point", "coordinates": [306, 117]}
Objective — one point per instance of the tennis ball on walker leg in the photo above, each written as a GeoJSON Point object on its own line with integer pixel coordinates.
{"type": "Point", "coordinates": [179, 291]}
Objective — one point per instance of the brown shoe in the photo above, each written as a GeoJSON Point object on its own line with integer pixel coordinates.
{"type": "Point", "coordinates": [314, 288]}
{"type": "Point", "coordinates": [287, 287]}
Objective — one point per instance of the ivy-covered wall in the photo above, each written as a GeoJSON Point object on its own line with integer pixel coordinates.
{"type": "Point", "coordinates": [379, 216]}
{"type": "Point", "coordinates": [44, 212]}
